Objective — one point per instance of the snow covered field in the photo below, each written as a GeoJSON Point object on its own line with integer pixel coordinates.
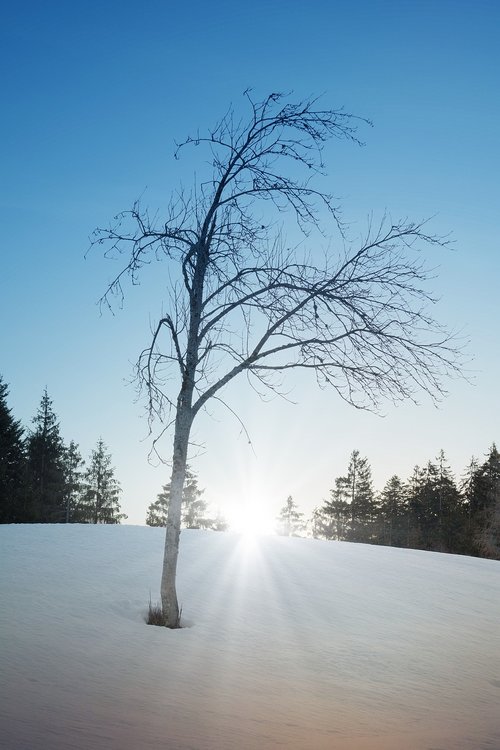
{"type": "Point", "coordinates": [289, 643]}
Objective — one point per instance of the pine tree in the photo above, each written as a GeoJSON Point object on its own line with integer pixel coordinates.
{"type": "Point", "coordinates": [488, 481]}
{"type": "Point", "coordinates": [12, 463]}
{"type": "Point", "coordinates": [319, 524]}
{"type": "Point", "coordinates": [451, 511]}
{"type": "Point", "coordinates": [158, 509]}
{"type": "Point", "coordinates": [194, 512]}
{"type": "Point", "coordinates": [45, 467]}
{"type": "Point", "coordinates": [289, 519]}
{"type": "Point", "coordinates": [351, 512]}
{"type": "Point", "coordinates": [362, 501]}
{"type": "Point", "coordinates": [194, 508]}
{"type": "Point", "coordinates": [472, 491]}
{"type": "Point", "coordinates": [99, 501]}
{"type": "Point", "coordinates": [393, 514]}
{"type": "Point", "coordinates": [73, 480]}
{"type": "Point", "coordinates": [436, 508]}
{"type": "Point", "coordinates": [337, 511]}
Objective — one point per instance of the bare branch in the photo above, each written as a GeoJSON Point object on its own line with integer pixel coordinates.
{"type": "Point", "coordinates": [239, 301]}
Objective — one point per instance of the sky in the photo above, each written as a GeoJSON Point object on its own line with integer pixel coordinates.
{"type": "Point", "coordinates": [94, 96]}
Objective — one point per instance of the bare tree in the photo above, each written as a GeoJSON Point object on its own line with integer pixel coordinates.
{"type": "Point", "coordinates": [240, 301]}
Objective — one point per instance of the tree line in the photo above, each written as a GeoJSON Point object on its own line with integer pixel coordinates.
{"type": "Point", "coordinates": [44, 480]}
{"type": "Point", "coordinates": [429, 511]}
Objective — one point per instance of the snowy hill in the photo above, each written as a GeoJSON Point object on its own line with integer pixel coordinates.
{"type": "Point", "coordinates": [289, 643]}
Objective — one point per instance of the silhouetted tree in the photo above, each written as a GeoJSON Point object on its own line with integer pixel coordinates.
{"type": "Point", "coordinates": [336, 512]}
{"type": "Point", "coordinates": [241, 301]}
{"type": "Point", "coordinates": [470, 489]}
{"type": "Point", "coordinates": [451, 511]}
{"type": "Point", "coordinates": [73, 480]}
{"type": "Point", "coordinates": [362, 504]}
{"type": "Point", "coordinates": [436, 510]}
{"type": "Point", "coordinates": [488, 506]}
{"type": "Point", "coordinates": [319, 524]}
{"type": "Point", "coordinates": [45, 467]}
{"type": "Point", "coordinates": [12, 463]}
{"type": "Point", "coordinates": [393, 514]}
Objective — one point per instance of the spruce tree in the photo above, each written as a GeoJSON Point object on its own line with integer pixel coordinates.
{"type": "Point", "coordinates": [12, 463]}
{"type": "Point", "coordinates": [337, 511]}
{"type": "Point", "coordinates": [194, 513]}
{"type": "Point", "coordinates": [451, 511]}
{"type": "Point", "coordinates": [73, 480]}
{"type": "Point", "coordinates": [393, 514]}
{"type": "Point", "coordinates": [194, 508]}
{"type": "Point", "coordinates": [99, 502]}
{"type": "Point", "coordinates": [488, 517]}
{"type": "Point", "coordinates": [469, 490]}
{"type": "Point", "coordinates": [363, 506]}
{"type": "Point", "coordinates": [436, 508]}
{"type": "Point", "coordinates": [319, 524]}
{"type": "Point", "coordinates": [351, 512]}
{"type": "Point", "coordinates": [45, 467]}
{"type": "Point", "coordinates": [289, 519]}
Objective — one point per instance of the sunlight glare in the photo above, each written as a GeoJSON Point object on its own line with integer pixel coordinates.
{"type": "Point", "coordinates": [251, 520]}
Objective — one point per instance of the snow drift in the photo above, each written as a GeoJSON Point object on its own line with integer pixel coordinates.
{"type": "Point", "coordinates": [288, 643]}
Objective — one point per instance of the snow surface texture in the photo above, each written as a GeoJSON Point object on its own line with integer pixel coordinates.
{"type": "Point", "coordinates": [289, 643]}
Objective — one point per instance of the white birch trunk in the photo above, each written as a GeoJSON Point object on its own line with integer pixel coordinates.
{"type": "Point", "coordinates": [183, 421]}
{"type": "Point", "coordinates": [169, 601]}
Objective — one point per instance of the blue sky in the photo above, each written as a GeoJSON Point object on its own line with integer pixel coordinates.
{"type": "Point", "coordinates": [93, 97]}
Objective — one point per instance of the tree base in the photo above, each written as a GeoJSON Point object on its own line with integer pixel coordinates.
{"type": "Point", "coordinates": [156, 616]}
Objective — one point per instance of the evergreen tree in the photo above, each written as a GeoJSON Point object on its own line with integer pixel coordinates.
{"type": "Point", "coordinates": [470, 494]}
{"type": "Point", "coordinates": [474, 499]}
{"type": "Point", "coordinates": [436, 508]}
{"type": "Point", "coordinates": [45, 467]}
{"type": "Point", "coordinates": [488, 504]}
{"type": "Point", "coordinates": [12, 463]}
{"type": "Point", "coordinates": [194, 508]}
{"type": "Point", "coordinates": [289, 519]}
{"type": "Point", "coordinates": [415, 511]}
{"type": "Point", "coordinates": [73, 480]}
{"type": "Point", "coordinates": [99, 502]}
{"type": "Point", "coordinates": [337, 511]}
{"type": "Point", "coordinates": [319, 524]}
{"type": "Point", "coordinates": [194, 512]}
{"type": "Point", "coordinates": [451, 511]}
{"type": "Point", "coordinates": [393, 514]}
{"type": "Point", "coordinates": [351, 512]}
{"type": "Point", "coordinates": [362, 501]}
{"type": "Point", "coordinates": [158, 509]}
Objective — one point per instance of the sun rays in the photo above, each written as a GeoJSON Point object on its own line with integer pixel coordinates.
{"type": "Point", "coordinates": [251, 519]}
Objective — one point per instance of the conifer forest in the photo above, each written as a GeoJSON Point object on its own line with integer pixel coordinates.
{"type": "Point", "coordinates": [45, 480]}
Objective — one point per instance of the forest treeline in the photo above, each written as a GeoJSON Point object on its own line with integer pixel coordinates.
{"type": "Point", "coordinates": [429, 511]}
{"type": "Point", "coordinates": [43, 480]}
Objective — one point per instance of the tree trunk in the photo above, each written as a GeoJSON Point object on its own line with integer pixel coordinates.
{"type": "Point", "coordinates": [183, 421]}
{"type": "Point", "coordinates": [169, 601]}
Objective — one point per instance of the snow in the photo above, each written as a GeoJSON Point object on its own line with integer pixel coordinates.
{"type": "Point", "coordinates": [289, 643]}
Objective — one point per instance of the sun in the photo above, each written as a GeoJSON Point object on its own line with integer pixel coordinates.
{"type": "Point", "coordinates": [251, 519]}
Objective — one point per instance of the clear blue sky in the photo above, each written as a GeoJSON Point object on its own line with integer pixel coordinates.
{"type": "Point", "coordinates": [93, 97]}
